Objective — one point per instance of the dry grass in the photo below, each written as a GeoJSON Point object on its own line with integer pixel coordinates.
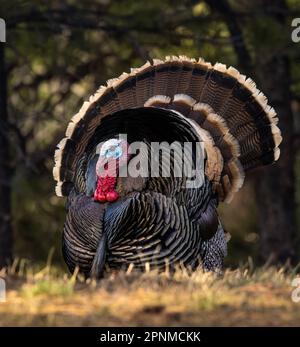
{"type": "Point", "coordinates": [243, 297]}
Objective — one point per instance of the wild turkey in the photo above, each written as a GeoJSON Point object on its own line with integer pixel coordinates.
{"type": "Point", "coordinates": [118, 221]}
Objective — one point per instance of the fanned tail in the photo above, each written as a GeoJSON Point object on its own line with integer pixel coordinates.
{"type": "Point", "coordinates": [232, 116]}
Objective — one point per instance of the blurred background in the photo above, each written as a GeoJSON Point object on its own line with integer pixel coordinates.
{"type": "Point", "coordinates": [57, 53]}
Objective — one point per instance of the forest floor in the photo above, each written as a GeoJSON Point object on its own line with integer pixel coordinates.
{"type": "Point", "coordinates": [244, 297]}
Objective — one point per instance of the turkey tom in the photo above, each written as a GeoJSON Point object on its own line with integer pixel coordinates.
{"type": "Point", "coordinates": [115, 221]}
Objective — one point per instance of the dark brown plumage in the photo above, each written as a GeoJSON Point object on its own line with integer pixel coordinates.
{"type": "Point", "coordinates": [157, 220]}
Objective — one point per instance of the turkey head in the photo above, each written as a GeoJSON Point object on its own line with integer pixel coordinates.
{"type": "Point", "coordinates": [113, 154]}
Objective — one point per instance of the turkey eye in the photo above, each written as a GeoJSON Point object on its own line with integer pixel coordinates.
{"type": "Point", "coordinates": [118, 153]}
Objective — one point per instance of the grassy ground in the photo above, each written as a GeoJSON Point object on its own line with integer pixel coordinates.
{"type": "Point", "coordinates": [243, 297]}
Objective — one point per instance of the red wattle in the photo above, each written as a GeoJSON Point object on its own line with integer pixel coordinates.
{"type": "Point", "coordinates": [105, 190]}
{"type": "Point", "coordinates": [112, 196]}
{"type": "Point", "coordinates": [99, 196]}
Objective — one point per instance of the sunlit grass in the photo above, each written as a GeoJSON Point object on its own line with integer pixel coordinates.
{"type": "Point", "coordinates": [49, 288]}
{"type": "Point", "coordinates": [246, 296]}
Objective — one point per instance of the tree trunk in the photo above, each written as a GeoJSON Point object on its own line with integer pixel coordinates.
{"type": "Point", "coordinates": [5, 172]}
{"type": "Point", "coordinates": [275, 187]}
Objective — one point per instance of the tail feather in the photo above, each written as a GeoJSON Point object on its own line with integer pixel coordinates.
{"type": "Point", "coordinates": [175, 68]}
{"type": "Point", "coordinates": [199, 76]}
{"type": "Point", "coordinates": [218, 87]}
{"type": "Point", "coordinates": [161, 77]}
{"type": "Point", "coordinates": [125, 87]}
{"type": "Point", "coordinates": [184, 78]}
{"type": "Point", "coordinates": [145, 78]}
{"type": "Point", "coordinates": [238, 126]}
